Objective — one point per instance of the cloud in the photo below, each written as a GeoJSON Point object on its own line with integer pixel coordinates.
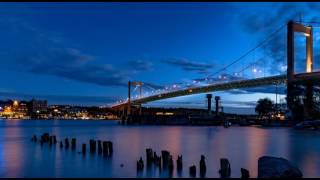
{"type": "Point", "coordinates": [263, 23]}
{"type": "Point", "coordinates": [72, 64]}
{"type": "Point", "coordinates": [141, 65]}
{"type": "Point", "coordinates": [188, 65]}
{"type": "Point", "coordinates": [42, 52]}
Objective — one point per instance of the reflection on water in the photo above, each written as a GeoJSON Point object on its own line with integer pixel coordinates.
{"type": "Point", "coordinates": [19, 157]}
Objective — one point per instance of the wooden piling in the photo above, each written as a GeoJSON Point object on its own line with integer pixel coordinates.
{"type": "Point", "coordinates": [99, 147]}
{"type": "Point", "coordinates": [110, 148]}
{"type": "Point", "coordinates": [73, 143]}
{"type": "Point", "coordinates": [165, 158]}
{"type": "Point", "coordinates": [84, 149]}
{"type": "Point", "coordinates": [50, 140]}
{"type": "Point", "coordinates": [54, 139]}
{"type": "Point", "coordinates": [61, 144]}
{"type": "Point", "coordinates": [140, 165]}
{"type": "Point", "coordinates": [92, 146]}
{"type": "Point", "coordinates": [149, 155]}
{"type": "Point", "coordinates": [225, 169]}
{"type": "Point", "coordinates": [105, 148]}
{"type": "Point", "coordinates": [66, 141]}
{"type": "Point", "coordinates": [170, 165]}
{"type": "Point", "coordinates": [203, 167]}
{"type": "Point", "coordinates": [45, 137]}
{"type": "Point", "coordinates": [245, 173]}
{"type": "Point", "coordinates": [34, 138]}
{"type": "Point", "coordinates": [192, 171]}
{"type": "Point", "coordinates": [179, 163]}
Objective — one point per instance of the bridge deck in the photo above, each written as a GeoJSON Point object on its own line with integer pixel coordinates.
{"type": "Point", "coordinates": [279, 79]}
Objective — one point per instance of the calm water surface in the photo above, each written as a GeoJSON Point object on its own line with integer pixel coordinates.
{"type": "Point", "coordinates": [19, 157]}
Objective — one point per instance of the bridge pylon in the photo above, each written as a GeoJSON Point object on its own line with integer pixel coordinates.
{"type": "Point", "coordinates": [292, 85]}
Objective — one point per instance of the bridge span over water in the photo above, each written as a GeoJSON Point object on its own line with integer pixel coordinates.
{"type": "Point", "coordinates": [291, 79]}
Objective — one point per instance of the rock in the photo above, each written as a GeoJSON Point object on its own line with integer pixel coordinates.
{"type": "Point", "coordinates": [273, 167]}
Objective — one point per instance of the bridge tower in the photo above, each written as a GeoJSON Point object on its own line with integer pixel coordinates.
{"type": "Point", "coordinates": [138, 84]}
{"type": "Point", "coordinates": [209, 97]}
{"type": "Point", "coordinates": [292, 87]}
{"type": "Point", "coordinates": [217, 98]}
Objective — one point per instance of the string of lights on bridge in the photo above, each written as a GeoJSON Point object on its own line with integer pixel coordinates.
{"type": "Point", "coordinates": [252, 69]}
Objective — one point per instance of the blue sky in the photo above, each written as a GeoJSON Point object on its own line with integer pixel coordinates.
{"type": "Point", "coordinates": [84, 53]}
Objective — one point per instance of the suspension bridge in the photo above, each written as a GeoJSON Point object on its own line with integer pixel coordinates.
{"type": "Point", "coordinates": [278, 49]}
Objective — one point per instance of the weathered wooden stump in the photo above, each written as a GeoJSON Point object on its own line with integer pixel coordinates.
{"type": "Point", "coordinates": [192, 171]}
{"type": "Point", "coordinates": [66, 142]}
{"type": "Point", "coordinates": [156, 159]}
{"type": "Point", "coordinates": [34, 138]}
{"type": "Point", "coordinates": [50, 140]}
{"type": "Point", "coordinates": [84, 149]}
{"type": "Point", "coordinates": [170, 165]}
{"type": "Point", "coordinates": [110, 148]}
{"type": "Point", "coordinates": [225, 169]}
{"type": "Point", "coordinates": [149, 155]}
{"type": "Point", "coordinates": [203, 167]}
{"type": "Point", "coordinates": [245, 173]}
{"type": "Point", "coordinates": [105, 148]}
{"type": "Point", "coordinates": [92, 146]}
{"type": "Point", "coordinates": [73, 143]}
{"type": "Point", "coordinates": [45, 137]}
{"type": "Point", "coordinates": [165, 158]}
{"type": "Point", "coordinates": [140, 164]}
{"type": "Point", "coordinates": [179, 163]}
{"type": "Point", "coordinates": [99, 147]}
{"type": "Point", "coordinates": [54, 139]}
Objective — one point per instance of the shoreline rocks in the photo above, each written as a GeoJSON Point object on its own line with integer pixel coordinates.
{"type": "Point", "coordinates": [274, 167]}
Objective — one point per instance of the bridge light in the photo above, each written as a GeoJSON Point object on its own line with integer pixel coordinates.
{"type": "Point", "coordinates": [306, 34]}
{"type": "Point", "coordinates": [254, 70]}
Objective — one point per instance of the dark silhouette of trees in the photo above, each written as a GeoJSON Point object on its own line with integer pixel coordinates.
{"type": "Point", "coordinates": [264, 107]}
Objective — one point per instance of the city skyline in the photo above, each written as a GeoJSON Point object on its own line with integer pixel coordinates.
{"type": "Point", "coordinates": [83, 52]}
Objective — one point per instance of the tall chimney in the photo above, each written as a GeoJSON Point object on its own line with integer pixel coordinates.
{"type": "Point", "coordinates": [217, 98]}
{"type": "Point", "coordinates": [209, 96]}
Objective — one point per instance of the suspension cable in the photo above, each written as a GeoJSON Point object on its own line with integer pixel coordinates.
{"type": "Point", "coordinates": [251, 50]}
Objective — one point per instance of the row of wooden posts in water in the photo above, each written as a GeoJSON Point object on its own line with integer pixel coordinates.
{"type": "Point", "coordinates": [104, 147]}
{"type": "Point", "coordinates": [165, 161]}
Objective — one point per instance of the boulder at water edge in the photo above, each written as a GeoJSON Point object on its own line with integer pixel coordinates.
{"type": "Point", "coordinates": [273, 167]}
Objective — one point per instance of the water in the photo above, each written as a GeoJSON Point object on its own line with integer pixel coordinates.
{"type": "Point", "coordinates": [19, 157]}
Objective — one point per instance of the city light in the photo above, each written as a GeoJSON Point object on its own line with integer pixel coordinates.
{"type": "Point", "coordinates": [15, 103]}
